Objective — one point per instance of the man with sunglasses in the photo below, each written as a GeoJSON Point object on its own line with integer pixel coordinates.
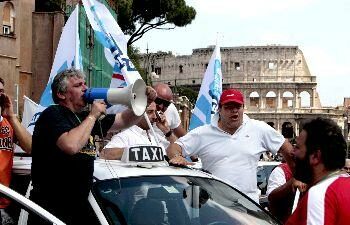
{"type": "Point", "coordinates": [346, 168]}
{"type": "Point", "coordinates": [230, 147]}
{"type": "Point", "coordinates": [165, 106]}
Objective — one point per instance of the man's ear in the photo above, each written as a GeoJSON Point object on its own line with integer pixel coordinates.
{"type": "Point", "coordinates": [315, 158]}
{"type": "Point", "coordinates": [61, 96]}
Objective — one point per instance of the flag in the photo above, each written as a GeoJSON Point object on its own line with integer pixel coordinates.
{"type": "Point", "coordinates": [109, 34]}
{"type": "Point", "coordinates": [67, 56]}
{"type": "Point", "coordinates": [209, 93]}
{"type": "Point", "coordinates": [31, 112]}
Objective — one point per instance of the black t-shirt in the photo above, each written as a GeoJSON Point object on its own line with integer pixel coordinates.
{"type": "Point", "coordinates": [59, 178]}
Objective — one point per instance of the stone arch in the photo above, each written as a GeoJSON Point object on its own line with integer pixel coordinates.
{"type": "Point", "coordinates": [287, 100]}
{"type": "Point", "coordinates": [305, 99]}
{"type": "Point", "coordinates": [271, 100]}
{"type": "Point", "coordinates": [254, 99]}
{"type": "Point", "coordinates": [8, 18]}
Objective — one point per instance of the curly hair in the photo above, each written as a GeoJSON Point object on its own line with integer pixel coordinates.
{"type": "Point", "coordinates": [325, 135]}
{"type": "Point", "coordinates": [60, 82]}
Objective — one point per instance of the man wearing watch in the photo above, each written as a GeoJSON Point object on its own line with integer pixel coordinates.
{"type": "Point", "coordinates": [139, 134]}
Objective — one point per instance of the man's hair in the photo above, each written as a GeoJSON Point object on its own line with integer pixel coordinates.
{"type": "Point", "coordinates": [60, 82]}
{"type": "Point", "coordinates": [325, 135]}
{"type": "Point", "coordinates": [2, 81]}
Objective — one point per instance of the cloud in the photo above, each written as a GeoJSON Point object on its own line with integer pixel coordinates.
{"type": "Point", "coordinates": [331, 73]}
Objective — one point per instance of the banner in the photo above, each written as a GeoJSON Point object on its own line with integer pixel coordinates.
{"type": "Point", "coordinates": [109, 34]}
{"type": "Point", "coordinates": [67, 56]}
{"type": "Point", "coordinates": [209, 93]}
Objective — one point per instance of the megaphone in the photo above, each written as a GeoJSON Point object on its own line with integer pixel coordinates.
{"type": "Point", "coordinates": [133, 96]}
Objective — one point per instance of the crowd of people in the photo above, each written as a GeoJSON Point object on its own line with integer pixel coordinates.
{"type": "Point", "coordinates": [230, 148]}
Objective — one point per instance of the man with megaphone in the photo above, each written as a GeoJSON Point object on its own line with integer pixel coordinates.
{"type": "Point", "coordinates": [62, 154]}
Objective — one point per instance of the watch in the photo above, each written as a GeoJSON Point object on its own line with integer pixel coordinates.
{"type": "Point", "coordinates": [168, 134]}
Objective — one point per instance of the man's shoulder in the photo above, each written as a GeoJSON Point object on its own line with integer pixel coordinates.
{"type": "Point", "coordinates": [133, 130]}
{"type": "Point", "coordinates": [202, 129]}
{"type": "Point", "coordinates": [332, 186]}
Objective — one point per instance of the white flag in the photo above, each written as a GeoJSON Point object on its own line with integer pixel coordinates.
{"type": "Point", "coordinates": [209, 93]}
{"type": "Point", "coordinates": [110, 35]}
{"type": "Point", "coordinates": [67, 56]}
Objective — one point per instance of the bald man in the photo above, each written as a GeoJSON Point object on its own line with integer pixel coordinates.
{"type": "Point", "coordinates": [165, 106]}
{"type": "Point", "coordinates": [347, 166]}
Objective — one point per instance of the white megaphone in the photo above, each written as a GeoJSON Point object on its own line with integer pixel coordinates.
{"type": "Point", "coordinates": [133, 96]}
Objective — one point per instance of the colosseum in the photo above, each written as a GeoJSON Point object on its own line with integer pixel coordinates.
{"type": "Point", "coordinates": [276, 81]}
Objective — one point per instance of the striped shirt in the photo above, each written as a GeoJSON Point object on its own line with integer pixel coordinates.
{"type": "Point", "coordinates": [328, 202]}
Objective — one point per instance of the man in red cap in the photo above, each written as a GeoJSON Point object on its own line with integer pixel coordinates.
{"type": "Point", "coordinates": [230, 147]}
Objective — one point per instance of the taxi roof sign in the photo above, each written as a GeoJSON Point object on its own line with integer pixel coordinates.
{"type": "Point", "coordinates": [143, 154]}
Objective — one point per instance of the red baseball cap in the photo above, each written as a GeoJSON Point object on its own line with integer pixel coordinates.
{"type": "Point", "coordinates": [231, 95]}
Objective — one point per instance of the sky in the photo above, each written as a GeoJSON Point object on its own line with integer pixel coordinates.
{"type": "Point", "coordinates": [319, 27]}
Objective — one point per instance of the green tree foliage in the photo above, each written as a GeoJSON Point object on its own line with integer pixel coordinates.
{"type": "Point", "coordinates": [190, 93]}
{"type": "Point", "coordinates": [49, 5]}
{"type": "Point", "coordinates": [136, 17]}
{"type": "Point", "coordinates": [134, 56]}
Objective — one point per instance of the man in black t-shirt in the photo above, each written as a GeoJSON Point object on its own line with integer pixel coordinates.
{"type": "Point", "coordinates": [62, 157]}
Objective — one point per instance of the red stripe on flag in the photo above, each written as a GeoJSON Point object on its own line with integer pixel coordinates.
{"type": "Point", "coordinates": [118, 76]}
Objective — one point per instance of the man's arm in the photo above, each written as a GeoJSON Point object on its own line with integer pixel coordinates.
{"type": "Point", "coordinates": [73, 141]}
{"type": "Point", "coordinates": [179, 131]}
{"type": "Point", "coordinates": [286, 151]}
{"type": "Point", "coordinates": [24, 138]}
{"type": "Point", "coordinates": [22, 135]}
{"type": "Point", "coordinates": [174, 153]}
{"type": "Point", "coordinates": [288, 188]}
{"type": "Point", "coordinates": [111, 153]}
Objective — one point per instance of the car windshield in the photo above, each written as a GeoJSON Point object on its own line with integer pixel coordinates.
{"type": "Point", "coordinates": [175, 200]}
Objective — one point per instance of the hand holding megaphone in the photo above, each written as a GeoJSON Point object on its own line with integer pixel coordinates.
{"type": "Point", "coordinates": [98, 109]}
{"type": "Point", "coordinates": [133, 96]}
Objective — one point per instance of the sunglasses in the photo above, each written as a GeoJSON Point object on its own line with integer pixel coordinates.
{"type": "Point", "coordinates": [163, 102]}
{"type": "Point", "coordinates": [346, 168]}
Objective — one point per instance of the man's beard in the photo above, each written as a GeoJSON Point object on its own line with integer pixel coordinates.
{"type": "Point", "coordinates": [303, 171]}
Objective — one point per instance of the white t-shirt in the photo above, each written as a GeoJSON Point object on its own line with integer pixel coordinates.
{"type": "Point", "coordinates": [130, 137]}
{"type": "Point", "coordinates": [233, 158]}
{"type": "Point", "coordinates": [276, 179]}
{"type": "Point", "coordinates": [173, 119]}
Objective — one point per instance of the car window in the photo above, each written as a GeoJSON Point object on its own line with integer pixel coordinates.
{"type": "Point", "coordinates": [175, 200]}
{"type": "Point", "coordinates": [263, 174]}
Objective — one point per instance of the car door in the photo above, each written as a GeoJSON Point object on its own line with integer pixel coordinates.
{"type": "Point", "coordinates": [20, 202]}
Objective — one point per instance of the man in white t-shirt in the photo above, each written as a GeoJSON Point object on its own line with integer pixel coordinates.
{"type": "Point", "coordinates": [139, 134]}
{"type": "Point", "coordinates": [230, 147]}
{"type": "Point", "coordinates": [165, 106]}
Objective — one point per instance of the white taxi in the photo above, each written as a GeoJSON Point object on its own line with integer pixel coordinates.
{"type": "Point", "coordinates": [148, 191]}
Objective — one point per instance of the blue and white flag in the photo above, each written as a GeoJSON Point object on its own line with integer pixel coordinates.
{"type": "Point", "coordinates": [110, 35]}
{"type": "Point", "coordinates": [209, 93]}
{"type": "Point", "coordinates": [67, 56]}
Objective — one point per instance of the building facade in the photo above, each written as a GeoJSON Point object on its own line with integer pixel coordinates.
{"type": "Point", "coordinates": [16, 48]}
{"type": "Point", "coordinates": [276, 81]}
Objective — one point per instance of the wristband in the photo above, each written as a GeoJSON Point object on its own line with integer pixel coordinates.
{"type": "Point", "coordinates": [168, 133]}
{"type": "Point", "coordinates": [92, 118]}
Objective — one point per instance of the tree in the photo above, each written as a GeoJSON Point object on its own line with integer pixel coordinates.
{"type": "Point", "coordinates": [49, 5]}
{"type": "Point", "coordinates": [134, 56]}
{"type": "Point", "coordinates": [189, 92]}
{"type": "Point", "coordinates": [136, 17]}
